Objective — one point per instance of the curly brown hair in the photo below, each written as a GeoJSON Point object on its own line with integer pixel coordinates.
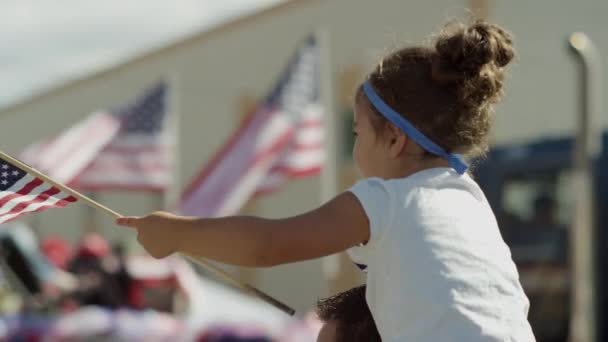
{"type": "Point", "coordinates": [448, 91]}
{"type": "Point", "coordinates": [354, 321]}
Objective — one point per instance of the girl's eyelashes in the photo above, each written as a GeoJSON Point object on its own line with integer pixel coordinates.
{"type": "Point", "coordinates": [355, 134]}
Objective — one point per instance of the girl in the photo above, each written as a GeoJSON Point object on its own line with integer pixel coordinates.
{"type": "Point", "coordinates": [438, 269]}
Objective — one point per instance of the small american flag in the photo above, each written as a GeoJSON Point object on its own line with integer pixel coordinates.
{"type": "Point", "coordinates": [282, 139]}
{"type": "Point", "coordinates": [139, 156]}
{"type": "Point", "coordinates": [21, 193]}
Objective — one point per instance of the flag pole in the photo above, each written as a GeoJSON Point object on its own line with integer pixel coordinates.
{"type": "Point", "coordinates": [588, 146]}
{"type": "Point", "coordinates": [215, 270]}
{"type": "Point", "coordinates": [172, 193]}
{"type": "Point", "coordinates": [329, 172]}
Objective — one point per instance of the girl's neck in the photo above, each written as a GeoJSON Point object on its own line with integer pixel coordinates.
{"type": "Point", "coordinates": [409, 168]}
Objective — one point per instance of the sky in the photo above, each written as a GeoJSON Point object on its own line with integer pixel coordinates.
{"type": "Point", "coordinates": [44, 43]}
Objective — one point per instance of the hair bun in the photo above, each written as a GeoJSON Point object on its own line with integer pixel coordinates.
{"type": "Point", "coordinates": [473, 54]}
{"type": "Point", "coordinates": [470, 48]}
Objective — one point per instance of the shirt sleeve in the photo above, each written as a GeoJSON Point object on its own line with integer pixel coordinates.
{"type": "Point", "coordinates": [375, 198]}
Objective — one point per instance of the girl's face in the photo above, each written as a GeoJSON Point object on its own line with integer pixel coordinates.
{"type": "Point", "coordinates": [369, 151]}
{"type": "Point", "coordinates": [386, 153]}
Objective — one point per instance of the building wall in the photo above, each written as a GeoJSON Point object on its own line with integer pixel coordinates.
{"type": "Point", "coordinates": [543, 91]}
{"type": "Point", "coordinates": [217, 73]}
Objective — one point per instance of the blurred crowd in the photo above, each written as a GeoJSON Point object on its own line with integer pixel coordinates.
{"type": "Point", "coordinates": [53, 291]}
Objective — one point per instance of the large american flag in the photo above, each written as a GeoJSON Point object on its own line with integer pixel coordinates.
{"type": "Point", "coordinates": [280, 140]}
{"type": "Point", "coordinates": [21, 193]}
{"type": "Point", "coordinates": [139, 155]}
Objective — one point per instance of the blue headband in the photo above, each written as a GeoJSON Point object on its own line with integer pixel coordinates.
{"type": "Point", "coordinates": [455, 160]}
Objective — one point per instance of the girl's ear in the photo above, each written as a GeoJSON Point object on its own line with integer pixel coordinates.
{"type": "Point", "coordinates": [396, 140]}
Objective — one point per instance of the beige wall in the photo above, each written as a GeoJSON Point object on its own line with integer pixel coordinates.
{"type": "Point", "coordinates": [216, 71]}
{"type": "Point", "coordinates": [543, 90]}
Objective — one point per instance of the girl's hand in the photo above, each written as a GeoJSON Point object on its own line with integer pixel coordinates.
{"type": "Point", "coordinates": [158, 232]}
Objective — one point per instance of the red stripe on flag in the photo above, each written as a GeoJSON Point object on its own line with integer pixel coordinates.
{"type": "Point", "coordinates": [43, 196]}
{"type": "Point", "coordinates": [23, 191]}
{"type": "Point", "coordinates": [306, 147]}
{"type": "Point", "coordinates": [60, 204]}
{"type": "Point", "coordinates": [272, 150]}
{"type": "Point", "coordinates": [292, 171]}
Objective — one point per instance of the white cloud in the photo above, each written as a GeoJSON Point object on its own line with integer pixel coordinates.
{"type": "Point", "coordinates": [44, 42]}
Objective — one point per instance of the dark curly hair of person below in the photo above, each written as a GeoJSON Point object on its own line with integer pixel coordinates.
{"type": "Point", "coordinates": [347, 318]}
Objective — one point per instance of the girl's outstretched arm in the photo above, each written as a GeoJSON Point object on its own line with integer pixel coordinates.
{"type": "Point", "coordinates": [252, 241]}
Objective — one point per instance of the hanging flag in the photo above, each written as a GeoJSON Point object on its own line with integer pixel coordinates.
{"type": "Point", "coordinates": [21, 193]}
{"type": "Point", "coordinates": [282, 139]}
{"type": "Point", "coordinates": [139, 155]}
{"type": "Point", "coordinates": [113, 149]}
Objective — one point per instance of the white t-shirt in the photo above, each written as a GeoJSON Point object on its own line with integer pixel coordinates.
{"type": "Point", "coordinates": [437, 267]}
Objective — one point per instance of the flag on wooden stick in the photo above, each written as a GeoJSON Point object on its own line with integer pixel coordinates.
{"type": "Point", "coordinates": [21, 192]}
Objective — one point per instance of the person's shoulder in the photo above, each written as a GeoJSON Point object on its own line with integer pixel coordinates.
{"type": "Point", "coordinates": [389, 184]}
{"type": "Point", "coordinates": [390, 189]}
{"type": "Point", "coordinates": [394, 196]}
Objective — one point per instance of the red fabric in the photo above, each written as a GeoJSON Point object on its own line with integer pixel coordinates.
{"type": "Point", "coordinates": [58, 251]}
{"type": "Point", "coordinates": [93, 245]}
{"type": "Point", "coordinates": [139, 286]}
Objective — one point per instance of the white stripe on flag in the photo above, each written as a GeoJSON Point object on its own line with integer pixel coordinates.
{"type": "Point", "coordinates": [303, 159]}
{"type": "Point", "coordinates": [277, 126]}
{"type": "Point", "coordinates": [51, 201]}
{"type": "Point", "coordinates": [309, 136]}
{"type": "Point", "coordinates": [312, 112]}
{"type": "Point", "coordinates": [7, 207]}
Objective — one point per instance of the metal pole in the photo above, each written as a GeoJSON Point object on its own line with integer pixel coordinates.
{"type": "Point", "coordinates": [587, 148]}
{"type": "Point", "coordinates": [172, 193]}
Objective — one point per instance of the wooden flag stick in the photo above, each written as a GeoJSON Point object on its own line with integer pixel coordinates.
{"type": "Point", "coordinates": [200, 261]}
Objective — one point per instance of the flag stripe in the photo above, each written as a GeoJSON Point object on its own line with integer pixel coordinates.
{"type": "Point", "coordinates": [53, 203]}
{"type": "Point", "coordinates": [23, 202]}
{"type": "Point", "coordinates": [25, 198]}
{"type": "Point", "coordinates": [31, 184]}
